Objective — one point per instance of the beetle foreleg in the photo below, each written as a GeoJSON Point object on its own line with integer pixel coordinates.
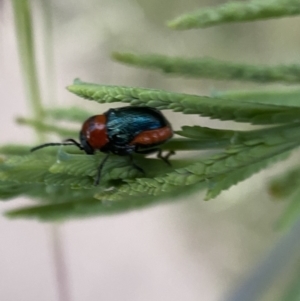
{"type": "Point", "coordinates": [100, 167]}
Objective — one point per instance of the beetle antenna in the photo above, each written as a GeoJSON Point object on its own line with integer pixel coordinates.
{"type": "Point", "coordinates": [74, 142]}
{"type": "Point", "coordinates": [67, 142]}
{"type": "Point", "coordinates": [100, 167]}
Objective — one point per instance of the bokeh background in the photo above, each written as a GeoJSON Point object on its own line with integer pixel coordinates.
{"type": "Point", "coordinates": [187, 250]}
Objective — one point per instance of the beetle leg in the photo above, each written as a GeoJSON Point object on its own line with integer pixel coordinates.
{"type": "Point", "coordinates": [166, 157]}
{"type": "Point", "coordinates": [159, 154]}
{"type": "Point", "coordinates": [100, 167]}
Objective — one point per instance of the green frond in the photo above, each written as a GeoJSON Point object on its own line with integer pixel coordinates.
{"type": "Point", "coordinates": [287, 97]}
{"type": "Point", "coordinates": [25, 169]}
{"type": "Point", "coordinates": [189, 104]}
{"type": "Point", "coordinates": [48, 128]}
{"type": "Point", "coordinates": [236, 12]}
{"type": "Point", "coordinates": [234, 158]}
{"type": "Point", "coordinates": [212, 68]}
{"type": "Point", "coordinates": [14, 149]}
{"type": "Point", "coordinates": [94, 207]}
{"type": "Point", "coordinates": [116, 167]}
{"type": "Point", "coordinates": [217, 184]}
{"type": "Point", "coordinates": [269, 136]}
{"type": "Point", "coordinates": [75, 114]}
{"type": "Point", "coordinates": [204, 133]}
{"type": "Point", "coordinates": [12, 190]}
{"type": "Point", "coordinates": [180, 144]}
{"type": "Point", "coordinates": [123, 187]}
{"type": "Point", "coordinates": [25, 38]}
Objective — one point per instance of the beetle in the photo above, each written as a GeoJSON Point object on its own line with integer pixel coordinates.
{"type": "Point", "coordinates": [122, 131]}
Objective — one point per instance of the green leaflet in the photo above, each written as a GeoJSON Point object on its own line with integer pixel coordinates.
{"type": "Point", "coordinates": [188, 104]}
{"type": "Point", "coordinates": [212, 68]}
{"type": "Point", "coordinates": [217, 184]}
{"type": "Point", "coordinates": [75, 114]}
{"type": "Point", "coordinates": [91, 207]}
{"type": "Point", "coordinates": [270, 136]}
{"type": "Point", "coordinates": [14, 149]}
{"type": "Point", "coordinates": [48, 128]}
{"type": "Point", "coordinates": [179, 144]}
{"type": "Point", "coordinates": [198, 172]}
{"type": "Point", "coordinates": [77, 171]}
{"type": "Point", "coordinates": [236, 12]}
{"type": "Point", "coordinates": [287, 97]}
{"type": "Point", "coordinates": [45, 194]}
{"type": "Point", "coordinates": [116, 167]}
{"type": "Point", "coordinates": [206, 134]}
{"type": "Point", "coordinates": [25, 169]}
{"type": "Point", "coordinates": [234, 158]}
{"type": "Point", "coordinates": [12, 190]}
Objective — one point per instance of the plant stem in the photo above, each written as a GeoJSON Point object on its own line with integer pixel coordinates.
{"type": "Point", "coordinates": [60, 264]}
{"type": "Point", "coordinates": [24, 33]}
{"type": "Point", "coordinates": [23, 23]}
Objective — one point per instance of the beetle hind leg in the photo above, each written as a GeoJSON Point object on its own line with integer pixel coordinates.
{"type": "Point", "coordinates": [166, 157]}
{"type": "Point", "coordinates": [159, 152]}
{"type": "Point", "coordinates": [99, 170]}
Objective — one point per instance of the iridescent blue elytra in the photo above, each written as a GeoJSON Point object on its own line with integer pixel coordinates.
{"type": "Point", "coordinates": [122, 131]}
{"type": "Point", "coordinates": [124, 124]}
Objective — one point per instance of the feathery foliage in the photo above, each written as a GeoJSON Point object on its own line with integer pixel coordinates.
{"type": "Point", "coordinates": [212, 107]}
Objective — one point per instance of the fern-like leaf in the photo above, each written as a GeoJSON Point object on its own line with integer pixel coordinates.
{"type": "Point", "coordinates": [212, 68]}
{"type": "Point", "coordinates": [188, 104]}
{"type": "Point", "coordinates": [288, 97]}
{"type": "Point", "coordinates": [217, 184]}
{"type": "Point", "coordinates": [48, 128]}
{"type": "Point", "coordinates": [236, 12]}
{"type": "Point", "coordinates": [75, 114]}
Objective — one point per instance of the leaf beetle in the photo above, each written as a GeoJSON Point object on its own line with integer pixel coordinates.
{"type": "Point", "coordinates": [122, 131]}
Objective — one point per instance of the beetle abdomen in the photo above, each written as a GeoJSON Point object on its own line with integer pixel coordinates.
{"type": "Point", "coordinates": [153, 137]}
